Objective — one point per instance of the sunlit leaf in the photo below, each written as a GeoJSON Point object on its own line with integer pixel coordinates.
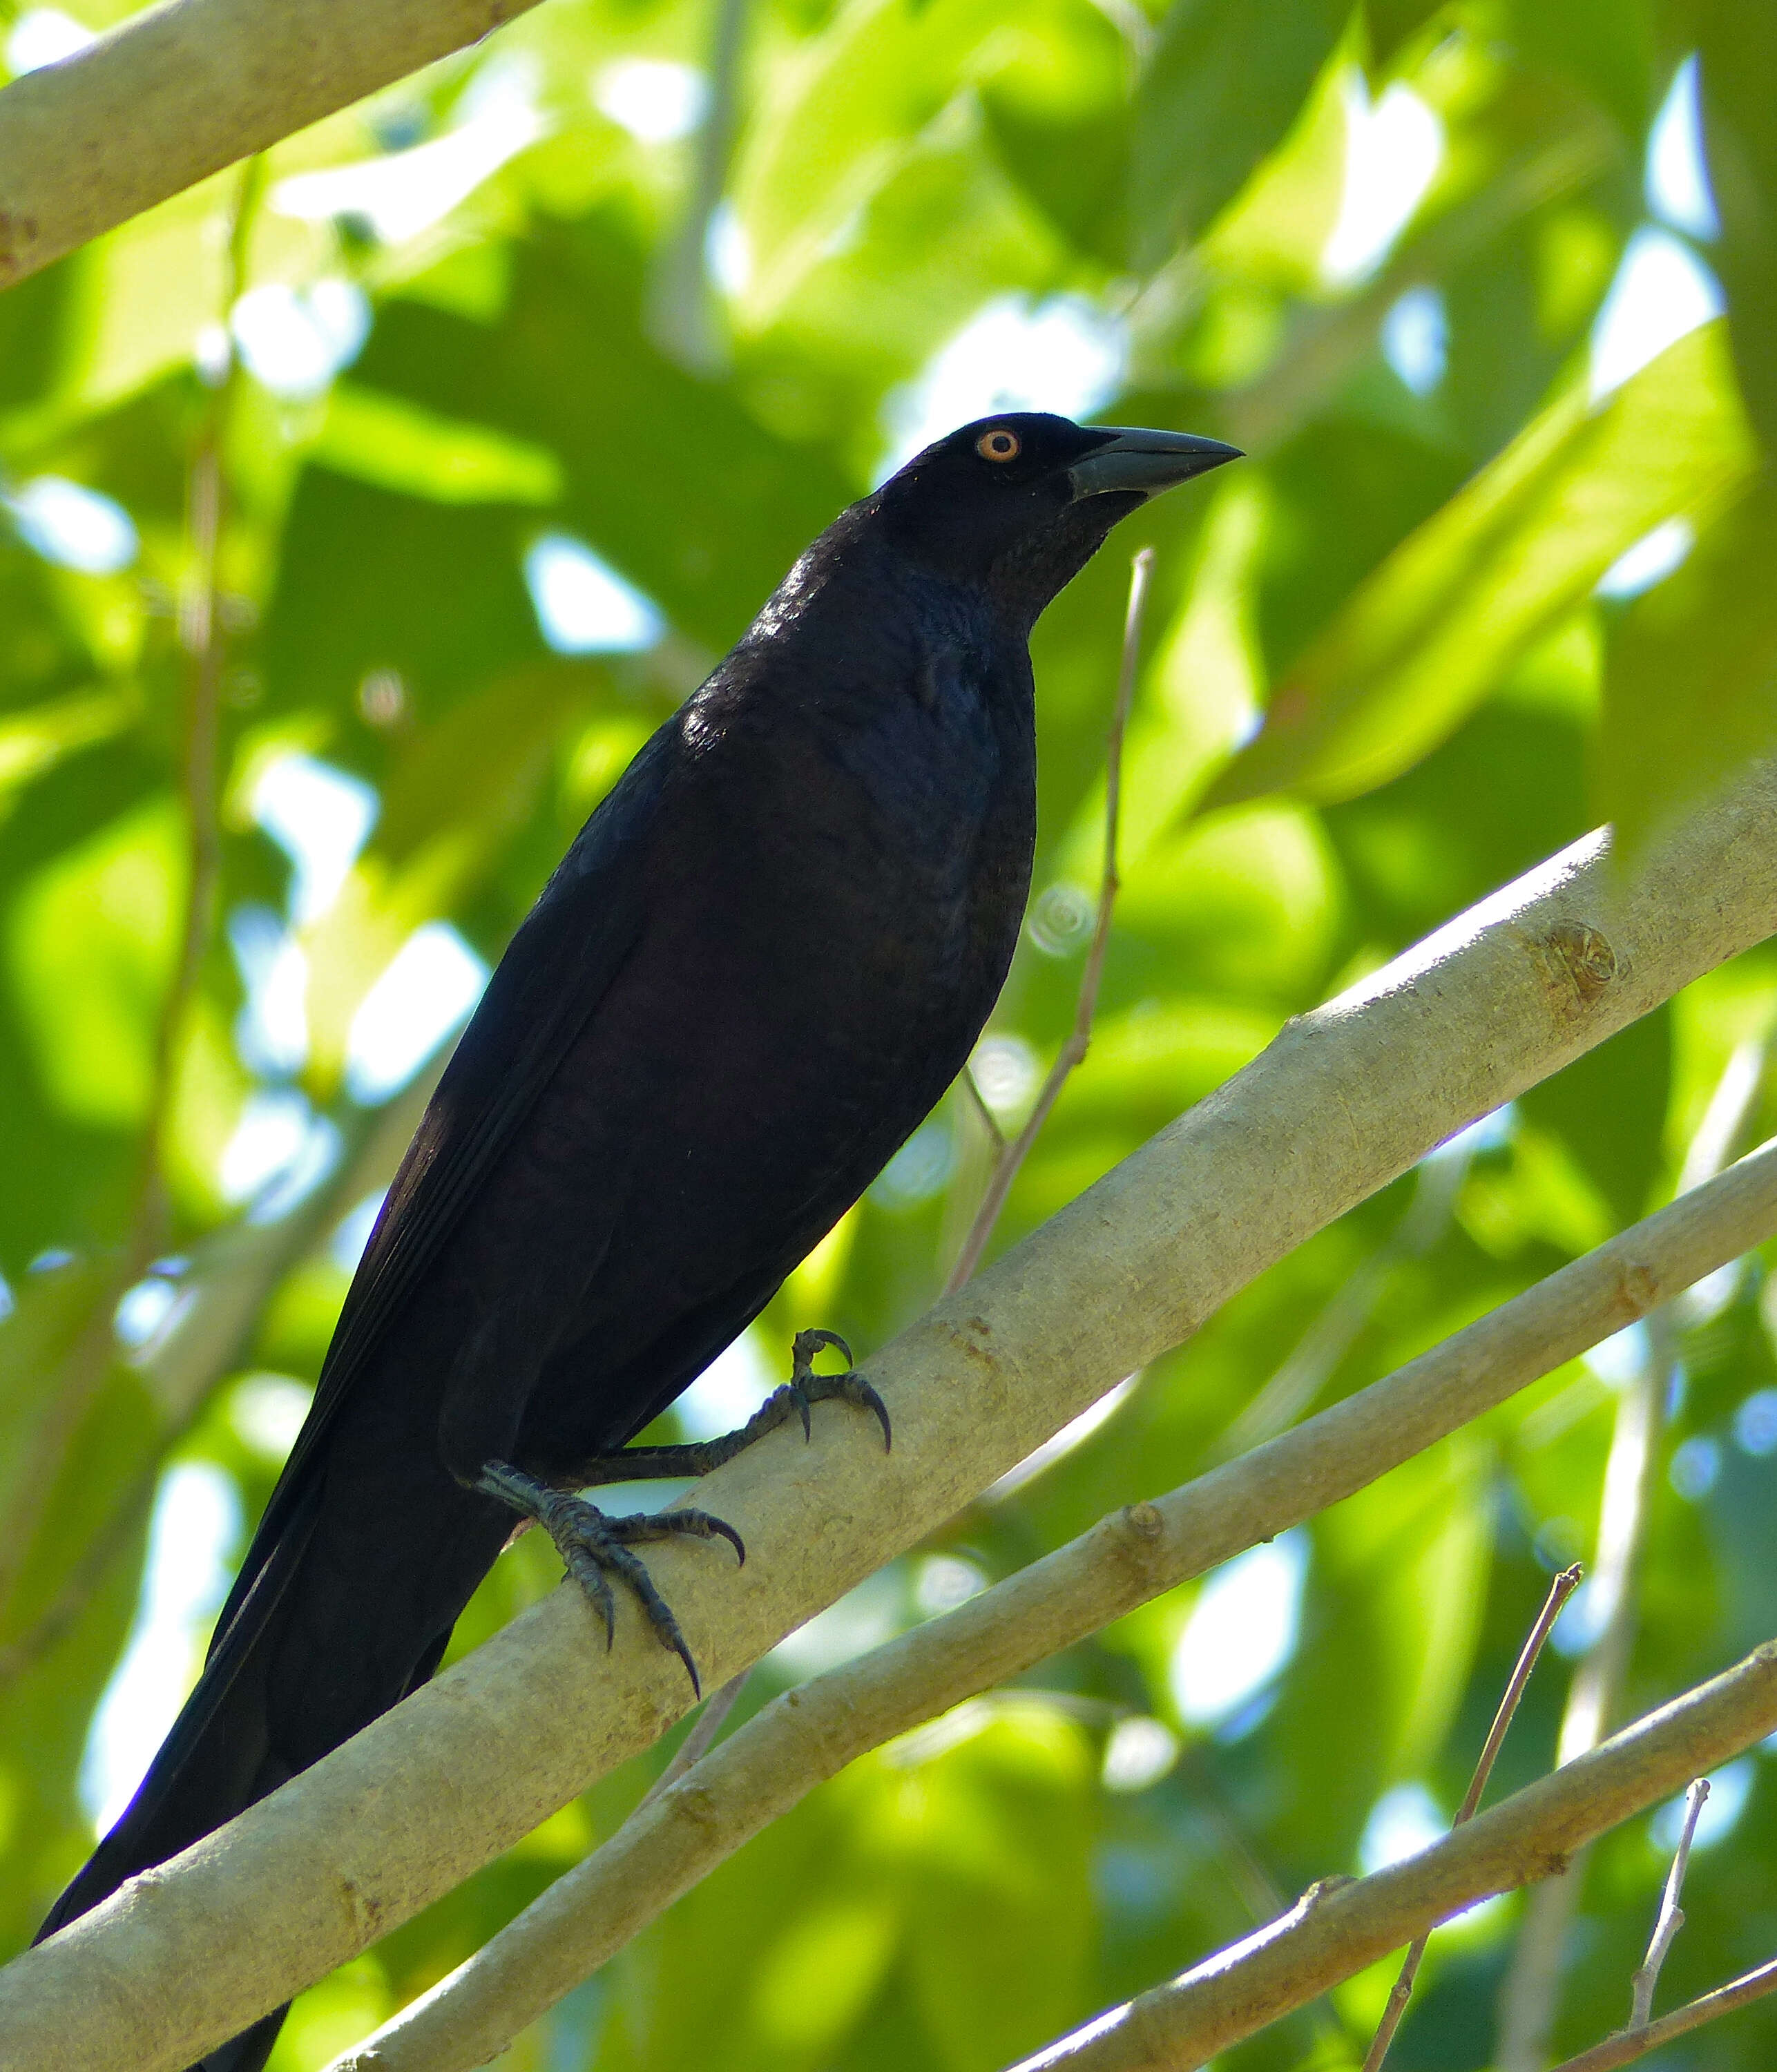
{"type": "Point", "coordinates": [90, 944]}
{"type": "Point", "coordinates": [1434, 629]}
{"type": "Point", "coordinates": [1225, 83]}
{"type": "Point", "coordinates": [842, 123]}
{"type": "Point", "coordinates": [1738, 44]}
{"type": "Point", "coordinates": [1605, 47]}
{"type": "Point", "coordinates": [37, 738]}
{"type": "Point", "coordinates": [396, 445]}
{"type": "Point", "coordinates": [1690, 684]}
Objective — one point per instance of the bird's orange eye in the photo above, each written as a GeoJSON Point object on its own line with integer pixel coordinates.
{"type": "Point", "coordinates": [998, 445]}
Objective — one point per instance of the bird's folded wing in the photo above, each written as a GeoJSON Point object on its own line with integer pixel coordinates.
{"type": "Point", "coordinates": [556, 971]}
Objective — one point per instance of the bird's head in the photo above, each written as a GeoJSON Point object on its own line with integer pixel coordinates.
{"type": "Point", "coordinates": [1020, 502]}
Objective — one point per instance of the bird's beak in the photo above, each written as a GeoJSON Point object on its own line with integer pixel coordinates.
{"type": "Point", "coordinates": [1146, 461]}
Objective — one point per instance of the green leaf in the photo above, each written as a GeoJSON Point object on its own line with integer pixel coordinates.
{"type": "Point", "coordinates": [1224, 86]}
{"type": "Point", "coordinates": [396, 445]}
{"type": "Point", "coordinates": [1738, 49]}
{"type": "Point", "coordinates": [995, 1831]}
{"type": "Point", "coordinates": [1057, 112]}
{"type": "Point", "coordinates": [1605, 46]}
{"type": "Point", "coordinates": [1690, 679]}
{"type": "Point", "coordinates": [90, 945]}
{"type": "Point", "coordinates": [840, 126]}
{"type": "Point", "coordinates": [671, 479]}
{"type": "Point", "coordinates": [36, 739]}
{"type": "Point", "coordinates": [1432, 630]}
{"type": "Point", "coordinates": [1608, 1109]}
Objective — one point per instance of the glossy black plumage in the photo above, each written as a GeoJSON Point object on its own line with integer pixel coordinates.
{"type": "Point", "coordinates": [764, 959]}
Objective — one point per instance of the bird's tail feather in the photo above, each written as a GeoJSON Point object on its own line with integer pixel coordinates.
{"type": "Point", "coordinates": [217, 1760]}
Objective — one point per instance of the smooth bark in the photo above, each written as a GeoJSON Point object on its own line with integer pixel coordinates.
{"type": "Point", "coordinates": [810, 1734]}
{"type": "Point", "coordinates": [179, 91]}
{"type": "Point", "coordinates": [1345, 1099]}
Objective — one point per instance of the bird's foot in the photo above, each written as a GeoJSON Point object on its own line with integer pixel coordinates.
{"type": "Point", "coordinates": [594, 1547]}
{"type": "Point", "coordinates": [793, 1400]}
{"type": "Point", "coordinates": [805, 1386]}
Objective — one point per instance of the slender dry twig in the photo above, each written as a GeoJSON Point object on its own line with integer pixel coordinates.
{"type": "Point", "coordinates": [1627, 2044]}
{"type": "Point", "coordinates": [1345, 1098]}
{"type": "Point", "coordinates": [1530, 1997]}
{"type": "Point", "coordinates": [72, 1393]}
{"type": "Point", "coordinates": [811, 1732]}
{"type": "Point", "coordinates": [1562, 1588]}
{"type": "Point", "coordinates": [1671, 1915]}
{"type": "Point", "coordinates": [1310, 1364]}
{"type": "Point", "coordinates": [984, 1114]}
{"type": "Point", "coordinates": [696, 1743]}
{"type": "Point", "coordinates": [681, 313]}
{"type": "Point", "coordinates": [1339, 1927]}
{"type": "Point", "coordinates": [1012, 1157]}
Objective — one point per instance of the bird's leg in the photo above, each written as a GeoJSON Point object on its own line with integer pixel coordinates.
{"type": "Point", "coordinates": [594, 1546]}
{"type": "Point", "coordinates": [804, 1388]}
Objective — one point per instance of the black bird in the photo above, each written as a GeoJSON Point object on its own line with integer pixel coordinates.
{"type": "Point", "coordinates": [766, 957]}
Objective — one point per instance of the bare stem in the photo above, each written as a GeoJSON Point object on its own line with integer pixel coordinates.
{"type": "Point", "coordinates": [1671, 1915]}
{"type": "Point", "coordinates": [1012, 1157]}
{"type": "Point", "coordinates": [681, 315]}
{"type": "Point", "coordinates": [699, 1741]}
{"type": "Point", "coordinates": [1344, 1100]}
{"type": "Point", "coordinates": [984, 1115]}
{"type": "Point", "coordinates": [1340, 1925]}
{"type": "Point", "coordinates": [1531, 1996]}
{"type": "Point", "coordinates": [808, 1734]}
{"type": "Point", "coordinates": [1627, 2044]}
{"type": "Point", "coordinates": [73, 1394]}
{"type": "Point", "coordinates": [1559, 1592]}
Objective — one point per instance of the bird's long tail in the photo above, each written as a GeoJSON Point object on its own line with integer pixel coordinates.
{"type": "Point", "coordinates": [219, 1758]}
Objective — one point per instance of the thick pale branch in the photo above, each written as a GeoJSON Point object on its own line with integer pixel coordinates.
{"type": "Point", "coordinates": [1337, 1928]}
{"type": "Point", "coordinates": [1345, 1098]}
{"type": "Point", "coordinates": [810, 1734]}
{"type": "Point", "coordinates": [179, 91]}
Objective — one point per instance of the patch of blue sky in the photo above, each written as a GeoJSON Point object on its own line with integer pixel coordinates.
{"type": "Point", "coordinates": [1062, 353]}
{"type": "Point", "coordinates": [583, 606]}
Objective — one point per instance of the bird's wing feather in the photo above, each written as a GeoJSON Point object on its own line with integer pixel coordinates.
{"type": "Point", "coordinates": [556, 970]}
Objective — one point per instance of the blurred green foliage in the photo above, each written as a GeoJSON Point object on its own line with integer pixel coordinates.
{"type": "Point", "coordinates": [1382, 676]}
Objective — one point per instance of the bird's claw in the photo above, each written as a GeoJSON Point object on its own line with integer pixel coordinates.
{"type": "Point", "coordinates": [594, 1546]}
{"type": "Point", "coordinates": [850, 1387]}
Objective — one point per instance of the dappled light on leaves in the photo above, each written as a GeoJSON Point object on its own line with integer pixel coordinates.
{"type": "Point", "coordinates": [514, 391]}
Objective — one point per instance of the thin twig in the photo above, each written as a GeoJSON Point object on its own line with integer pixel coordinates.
{"type": "Point", "coordinates": [1530, 1997]}
{"type": "Point", "coordinates": [1627, 2044]}
{"type": "Point", "coordinates": [1007, 1165]}
{"type": "Point", "coordinates": [699, 1741]}
{"type": "Point", "coordinates": [1671, 1915]}
{"type": "Point", "coordinates": [73, 1394]}
{"type": "Point", "coordinates": [1341, 1925]}
{"type": "Point", "coordinates": [984, 1114]}
{"type": "Point", "coordinates": [463, 1768]}
{"type": "Point", "coordinates": [681, 310]}
{"type": "Point", "coordinates": [1559, 1592]}
{"type": "Point", "coordinates": [806, 1735]}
